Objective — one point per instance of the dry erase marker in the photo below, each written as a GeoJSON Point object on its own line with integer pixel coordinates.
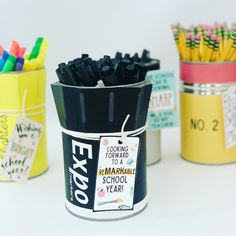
{"type": "Point", "coordinates": [85, 74]}
{"type": "Point", "coordinates": [135, 57]}
{"type": "Point", "coordinates": [9, 64]}
{"type": "Point", "coordinates": [131, 74]}
{"type": "Point", "coordinates": [65, 74]}
{"type": "Point", "coordinates": [118, 56]}
{"type": "Point", "coordinates": [108, 76]}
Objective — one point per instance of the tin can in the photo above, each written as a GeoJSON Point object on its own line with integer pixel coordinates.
{"type": "Point", "coordinates": [153, 136]}
{"type": "Point", "coordinates": [84, 113]}
{"type": "Point", "coordinates": [153, 147]}
{"type": "Point", "coordinates": [12, 88]}
{"type": "Point", "coordinates": [202, 124]}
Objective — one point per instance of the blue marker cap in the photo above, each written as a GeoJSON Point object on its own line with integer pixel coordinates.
{"type": "Point", "coordinates": [3, 59]}
{"type": "Point", "coordinates": [5, 55]}
{"type": "Point", "coordinates": [20, 60]}
{"type": "Point", "coordinates": [19, 64]}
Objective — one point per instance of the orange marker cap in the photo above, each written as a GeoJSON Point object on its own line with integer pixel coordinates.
{"type": "Point", "coordinates": [14, 50]}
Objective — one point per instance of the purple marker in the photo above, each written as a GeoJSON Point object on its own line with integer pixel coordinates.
{"type": "Point", "coordinates": [19, 64]}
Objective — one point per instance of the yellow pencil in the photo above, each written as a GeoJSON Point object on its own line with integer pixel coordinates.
{"type": "Point", "coordinates": [182, 42]}
{"type": "Point", "coordinates": [228, 45]}
{"type": "Point", "coordinates": [197, 47]}
{"type": "Point", "coordinates": [188, 46]}
{"type": "Point", "coordinates": [233, 37]}
{"type": "Point", "coordinates": [210, 48]}
{"type": "Point", "coordinates": [205, 43]}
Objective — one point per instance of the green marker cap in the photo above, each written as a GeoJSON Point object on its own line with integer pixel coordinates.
{"type": "Point", "coordinates": [10, 64]}
{"type": "Point", "coordinates": [35, 51]}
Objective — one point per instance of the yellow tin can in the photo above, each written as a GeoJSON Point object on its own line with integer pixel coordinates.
{"type": "Point", "coordinates": [201, 111]}
{"type": "Point", "coordinates": [23, 92]}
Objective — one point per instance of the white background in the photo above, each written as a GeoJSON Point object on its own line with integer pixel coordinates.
{"type": "Point", "coordinates": [185, 199]}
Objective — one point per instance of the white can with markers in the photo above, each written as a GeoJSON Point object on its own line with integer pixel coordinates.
{"type": "Point", "coordinates": [105, 154]}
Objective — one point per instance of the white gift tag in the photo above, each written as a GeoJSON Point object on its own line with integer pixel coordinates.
{"type": "Point", "coordinates": [21, 148]}
{"type": "Point", "coordinates": [229, 113]}
{"type": "Point", "coordinates": [116, 173]}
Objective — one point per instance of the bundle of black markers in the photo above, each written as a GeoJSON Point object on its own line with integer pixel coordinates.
{"type": "Point", "coordinates": [106, 71]}
{"type": "Point", "coordinates": [94, 97]}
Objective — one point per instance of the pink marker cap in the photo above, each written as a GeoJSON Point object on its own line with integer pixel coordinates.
{"type": "Point", "coordinates": [21, 52]}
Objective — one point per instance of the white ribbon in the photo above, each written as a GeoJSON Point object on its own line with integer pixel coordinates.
{"type": "Point", "coordinates": [23, 111]}
{"type": "Point", "coordinates": [96, 136]}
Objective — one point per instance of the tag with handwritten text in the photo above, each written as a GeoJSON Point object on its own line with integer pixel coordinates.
{"type": "Point", "coordinates": [21, 148]}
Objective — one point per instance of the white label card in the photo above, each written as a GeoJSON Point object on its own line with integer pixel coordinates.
{"type": "Point", "coordinates": [116, 173]}
{"type": "Point", "coordinates": [20, 152]}
{"type": "Point", "coordinates": [229, 113]}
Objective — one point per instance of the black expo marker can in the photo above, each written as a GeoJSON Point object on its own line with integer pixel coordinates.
{"type": "Point", "coordinates": [104, 144]}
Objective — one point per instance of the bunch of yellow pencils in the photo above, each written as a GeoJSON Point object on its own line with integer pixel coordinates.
{"type": "Point", "coordinates": [206, 43]}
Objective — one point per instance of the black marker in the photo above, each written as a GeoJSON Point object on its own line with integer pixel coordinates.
{"type": "Point", "coordinates": [83, 56]}
{"type": "Point", "coordinates": [145, 56]}
{"type": "Point", "coordinates": [120, 70]}
{"type": "Point", "coordinates": [66, 75]}
{"type": "Point", "coordinates": [153, 64]}
{"type": "Point", "coordinates": [85, 74]}
{"type": "Point", "coordinates": [106, 61]}
{"type": "Point", "coordinates": [95, 69]}
{"type": "Point", "coordinates": [131, 74]}
{"type": "Point", "coordinates": [135, 58]}
{"type": "Point", "coordinates": [118, 56]}
{"type": "Point", "coordinates": [127, 56]}
{"type": "Point", "coordinates": [108, 76]}
{"type": "Point", "coordinates": [142, 71]}
{"type": "Point", "coordinates": [73, 68]}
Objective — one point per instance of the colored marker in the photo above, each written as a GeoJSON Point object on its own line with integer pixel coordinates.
{"type": "Point", "coordinates": [9, 64]}
{"type": "Point", "coordinates": [1, 50]}
{"type": "Point", "coordinates": [42, 54]}
{"type": "Point", "coordinates": [30, 64]}
{"type": "Point", "coordinates": [36, 63]}
{"type": "Point", "coordinates": [14, 50]}
{"type": "Point", "coordinates": [19, 64]}
{"type": "Point", "coordinates": [35, 51]}
{"type": "Point", "coordinates": [3, 59]}
{"type": "Point", "coordinates": [21, 52]}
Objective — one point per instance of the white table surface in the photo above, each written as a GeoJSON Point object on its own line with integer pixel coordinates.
{"type": "Point", "coordinates": [184, 199]}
